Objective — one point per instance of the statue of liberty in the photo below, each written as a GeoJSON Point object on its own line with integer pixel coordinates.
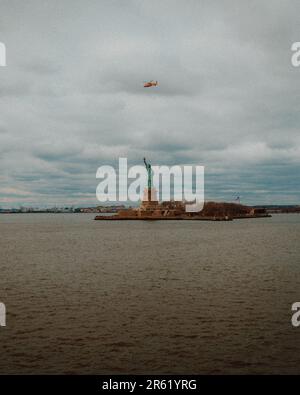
{"type": "Point", "coordinates": [150, 175]}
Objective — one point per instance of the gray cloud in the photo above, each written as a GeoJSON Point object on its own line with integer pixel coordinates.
{"type": "Point", "coordinates": [72, 95]}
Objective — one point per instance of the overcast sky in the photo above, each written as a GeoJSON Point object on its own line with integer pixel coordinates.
{"type": "Point", "coordinates": [72, 96]}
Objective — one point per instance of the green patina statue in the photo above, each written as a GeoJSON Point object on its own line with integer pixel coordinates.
{"type": "Point", "coordinates": [150, 174]}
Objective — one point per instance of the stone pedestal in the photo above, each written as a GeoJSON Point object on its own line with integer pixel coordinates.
{"type": "Point", "coordinates": [150, 195]}
{"type": "Point", "coordinates": [150, 203]}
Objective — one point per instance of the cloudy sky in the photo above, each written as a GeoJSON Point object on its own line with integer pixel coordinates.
{"type": "Point", "coordinates": [72, 96]}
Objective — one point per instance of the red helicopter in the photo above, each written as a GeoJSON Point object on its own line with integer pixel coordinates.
{"type": "Point", "coordinates": [150, 84]}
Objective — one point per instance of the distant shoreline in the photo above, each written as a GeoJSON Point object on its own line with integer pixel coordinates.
{"type": "Point", "coordinates": [295, 210]}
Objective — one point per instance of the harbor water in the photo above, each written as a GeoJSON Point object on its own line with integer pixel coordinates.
{"type": "Point", "coordinates": [86, 296]}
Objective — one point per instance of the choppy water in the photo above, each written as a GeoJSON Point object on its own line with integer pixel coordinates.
{"type": "Point", "coordinates": [87, 296]}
